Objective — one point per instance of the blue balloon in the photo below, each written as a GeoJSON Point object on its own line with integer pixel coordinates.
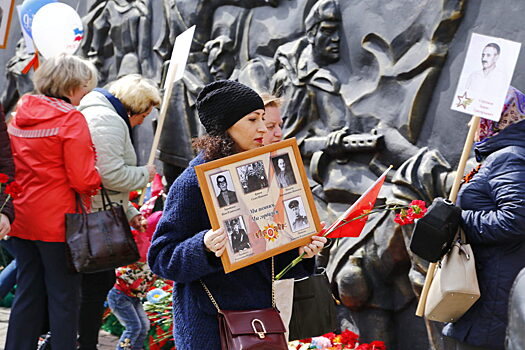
{"type": "Point", "coordinates": [28, 10]}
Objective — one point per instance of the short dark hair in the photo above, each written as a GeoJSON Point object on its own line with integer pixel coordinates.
{"type": "Point", "coordinates": [220, 176]}
{"type": "Point", "coordinates": [494, 46]}
{"type": "Point", "coordinates": [293, 204]}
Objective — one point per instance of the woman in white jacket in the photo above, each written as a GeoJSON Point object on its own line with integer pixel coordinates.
{"type": "Point", "coordinates": [111, 114]}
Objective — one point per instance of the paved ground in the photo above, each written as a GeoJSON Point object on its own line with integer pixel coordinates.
{"type": "Point", "coordinates": [107, 341]}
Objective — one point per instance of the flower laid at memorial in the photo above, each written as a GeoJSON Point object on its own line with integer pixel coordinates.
{"type": "Point", "coordinates": [345, 341]}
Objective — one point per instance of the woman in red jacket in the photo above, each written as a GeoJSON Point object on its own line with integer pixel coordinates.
{"type": "Point", "coordinates": [54, 158]}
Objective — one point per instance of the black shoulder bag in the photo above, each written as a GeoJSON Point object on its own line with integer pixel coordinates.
{"type": "Point", "coordinates": [100, 240]}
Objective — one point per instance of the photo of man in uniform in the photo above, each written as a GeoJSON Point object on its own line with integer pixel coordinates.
{"type": "Point", "coordinates": [297, 220]}
{"type": "Point", "coordinates": [238, 237]}
{"type": "Point", "coordinates": [225, 196]}
{"type": "Point", "coordinates": [490, 79]}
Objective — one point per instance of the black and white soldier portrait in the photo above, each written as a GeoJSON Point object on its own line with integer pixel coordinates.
{"type": "Point", "coordinates": [223, 186]}
{"type": "Point", "coordinates": [283, 171]}
{"type": "Point", "coordinates": [252, 176]}
{"type": "Point", "coordinates": [296, 214]}
{"type": "Point", "coordinates": [237, 234]}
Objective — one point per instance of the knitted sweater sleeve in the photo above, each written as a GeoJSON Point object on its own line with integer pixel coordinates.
{"type": "Point", "coordinates": [177, 249]}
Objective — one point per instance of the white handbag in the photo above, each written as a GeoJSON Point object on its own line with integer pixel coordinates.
{"type": "Point", "coordinates": [454, 288]}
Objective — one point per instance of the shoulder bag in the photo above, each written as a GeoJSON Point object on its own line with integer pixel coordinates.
{"type": "Point", "coordinates": [260, 329]}
{"type": "Point", "coordinates": [454, 288]}
{"type": "Point", "coordinates": [314, 307]}
{"type": "Point", "coordinates": [100, 240]}
{"type": "Point", "coordinates": [434, 233]}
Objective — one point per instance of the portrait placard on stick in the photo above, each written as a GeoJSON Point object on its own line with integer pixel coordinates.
{"type": "Point", "coordinates": [176, 68]}
{"type": "Point", "coordinates": [486, 76]}
{"type": "Point", "coordinates": [262, 200]}
{"type": "Point", "coordinates": [6, 14]}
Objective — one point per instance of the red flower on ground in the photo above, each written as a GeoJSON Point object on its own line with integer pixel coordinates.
{"type": "Point", "coordinates": [364, 347]}
{"type": "Point", "coordinates": [349, 338]}
{"type": "Point", "coordinates": [13, 189]}
{"type": "Point", "coordinates": [3, 178]}
{"type": "Point", "coordinates": [378, 345]}
{"type": "Point", "coordinates": [329, 336]}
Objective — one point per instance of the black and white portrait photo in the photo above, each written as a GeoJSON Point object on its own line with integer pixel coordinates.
{"type": "Point", "coordinates": [237, 234]}
{"type": "Point", "coordinates": [296, 214]}
{"type": "Point", "coordinates": [223, 186]}
{"type": "Point", "coordinates": [252, 176]}
{"type": "Point", "coordinates": [486, 76]}
{"type": "Point", "coordinates": [490, 76]}
{"type": "Point", "coordinates": [283, 171]}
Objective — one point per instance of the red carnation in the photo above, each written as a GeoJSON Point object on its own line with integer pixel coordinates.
{"type": "Point", "coordinates": [3, 178]}
{"type": "Point", "coordinates": [378, 345]}
{"type": "Point", "coordinates": [403, 218]}
{"type": "Point", "coordinates": [349, 338]}
{"type": "Point", "coordinates": [13, 189]}
{"type": "Point", "coordinates": [133, 195]}
{"type": "Point", "coordinates": [364, 347]}
{"type": "Point", "coordinates": [329, 336]}
{"type": "Point", "coordinates": [417, 209]}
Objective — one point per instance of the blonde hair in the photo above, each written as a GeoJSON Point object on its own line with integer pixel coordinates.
{"type": "Point", "coordinates": [136, 93]}
{"type": "Point", "coordinates": [62, 75]}
{"type": "Point", "coordinates": [271, 100]}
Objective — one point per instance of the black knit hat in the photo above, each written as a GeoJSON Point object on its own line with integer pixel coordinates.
{"type": "Point", "coordinates": [222, 103]}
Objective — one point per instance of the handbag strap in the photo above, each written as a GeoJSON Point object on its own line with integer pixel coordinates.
{"type": "Point", "coordinates": [214, 302]}
{"type": "Point", "coordinates": [80, 208]}
{"type": "Point", "coordinates": [106, 201]}
{"type": "Point", "coordinates": [460, 236]}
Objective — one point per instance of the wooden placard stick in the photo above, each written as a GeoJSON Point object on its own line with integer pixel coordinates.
{"type": "Point", "coordinates": [179, 57]}
{"type": "Point", "coordinates": [452, 197]}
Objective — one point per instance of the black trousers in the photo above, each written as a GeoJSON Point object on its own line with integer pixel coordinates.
{"type": "Point", "coordinates": [95, 288]}
{"type": "Point", "coordinates": [45, 284]}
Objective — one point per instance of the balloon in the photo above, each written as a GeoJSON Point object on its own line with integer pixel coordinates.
{"type": "Point", "coordinates": [57, 28]}
{"type": "Point", "coordinates": [27, 11]}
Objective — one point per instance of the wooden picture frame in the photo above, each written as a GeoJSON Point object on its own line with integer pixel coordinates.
{"type": "Point", "coordinates": [263, 201]}
{"type": "Point", "coordinates": [6, 15]}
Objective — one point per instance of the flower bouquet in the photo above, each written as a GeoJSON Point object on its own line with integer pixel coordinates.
{"type": "Point", "coordinates": [352, 222]}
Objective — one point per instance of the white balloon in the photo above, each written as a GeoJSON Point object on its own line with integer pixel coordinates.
{"type": "Point", "coordinates": [57, 28]}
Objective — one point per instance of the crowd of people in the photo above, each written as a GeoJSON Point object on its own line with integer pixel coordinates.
{"type": "Point", "coordinates": [69, 138]}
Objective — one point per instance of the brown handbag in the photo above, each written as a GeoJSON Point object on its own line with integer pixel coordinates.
{"type": "Point", "coordinates": [261, 329]}
{"type": "Point", "coordinates": [100, 240]}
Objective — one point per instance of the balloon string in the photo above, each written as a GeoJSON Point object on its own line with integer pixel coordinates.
{"type": "Point", "coordinates": [33, 63]}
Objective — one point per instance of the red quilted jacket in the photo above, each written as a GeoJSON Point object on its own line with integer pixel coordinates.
{"type": "Point", "coordinates": [54, 157]}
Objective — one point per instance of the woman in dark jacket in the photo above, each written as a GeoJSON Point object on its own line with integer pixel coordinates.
{"type": "Point", "coordinates": [493, 204]}
{"type": "Point", "coordinates": [185, 249]}
{"type": "Point", "coordinates": [7, 167]}
{"type": "Point", "coordinates": [7, 215]}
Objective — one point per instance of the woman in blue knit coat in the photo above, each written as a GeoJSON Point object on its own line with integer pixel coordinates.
{"type": "Point", "coordinates": [184, 248]}
{"type": "Point", "coordinates": [493, 204]}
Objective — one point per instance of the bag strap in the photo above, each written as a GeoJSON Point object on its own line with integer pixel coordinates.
{"type": "Point", "coordinates": [460, 236]}
{"type": "Point", "coordinates": [106, 201]}
{"type": "Point", "coordinates": [214, 302]}
{"type": "Point", "coordinates": [80, 208]}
